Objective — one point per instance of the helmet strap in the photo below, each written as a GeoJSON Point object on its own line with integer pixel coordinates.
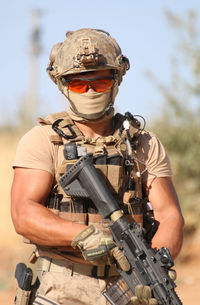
{"type": "Point", "coordinates": [60, 84]}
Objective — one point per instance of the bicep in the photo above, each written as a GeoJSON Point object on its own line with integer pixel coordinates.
{"type": "Point", "coordinates": [30, 184]}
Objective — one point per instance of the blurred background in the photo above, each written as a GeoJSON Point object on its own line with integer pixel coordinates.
{"type": "Point", "coordinates": [162, 41]}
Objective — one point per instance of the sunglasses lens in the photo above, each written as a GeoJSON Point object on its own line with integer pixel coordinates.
{"type": "Point", "coordinates": [77, 85]}
{"type": "Point", "coordinates": [81, 86]}
{"type": "Point", "coordinates": [102, 85]}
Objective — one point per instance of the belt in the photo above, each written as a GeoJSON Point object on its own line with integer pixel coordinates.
{"type": "Point", "coordinates": [52, 265]}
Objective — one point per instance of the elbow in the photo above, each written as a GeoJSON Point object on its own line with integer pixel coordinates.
{"type": "Point", "coordinates": [178, 219]}
{"type": "Point", "coordinates": [180, 235]}
{"type": "Point", "coordinates": [182, 222]}
{"type": "Point", "coordinates": [18, 224]}
{"type": "Point", "coordinates": [18, 219]}
{"type": "Point", "coordinates": [19, 229]}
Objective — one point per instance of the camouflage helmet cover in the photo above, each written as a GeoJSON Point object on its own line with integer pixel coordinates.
{"type": "Point", "coordinates": [86, 50]}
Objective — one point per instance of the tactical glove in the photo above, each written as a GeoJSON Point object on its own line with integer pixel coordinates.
{"type": "Point", "coordinates": [98, 247]}
{"type": "Point", "coordinates": [172, 274]}
{"type": "Point", "coordinates": [143, 296]}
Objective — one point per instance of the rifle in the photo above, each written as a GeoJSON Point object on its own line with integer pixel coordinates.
{"type": "Point", "coordinates": [148, 266]}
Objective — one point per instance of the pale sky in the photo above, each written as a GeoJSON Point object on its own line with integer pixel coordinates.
{"type": "Point", "coordinates": [140, 27]}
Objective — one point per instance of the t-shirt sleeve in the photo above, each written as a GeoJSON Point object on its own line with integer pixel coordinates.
{"type": "Point", "coordinates": [154, 157]}
{"type": "Point", "coordinates": [35, 150]}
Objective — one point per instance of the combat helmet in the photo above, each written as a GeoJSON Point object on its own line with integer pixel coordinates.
{"type": "Point", "coordinates": [86, 50]}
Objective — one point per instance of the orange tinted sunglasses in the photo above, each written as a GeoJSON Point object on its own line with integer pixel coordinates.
{"type": "Point", "coordinates": [81, 85]}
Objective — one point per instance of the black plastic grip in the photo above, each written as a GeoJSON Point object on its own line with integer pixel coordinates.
{"type": "Point", "coordinates": [90, 180]}
{"type": "Point", "coordinates": [24, 276]}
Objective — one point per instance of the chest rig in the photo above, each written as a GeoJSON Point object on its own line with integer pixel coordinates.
{"type": "Point", "coordinates": [113, 156]}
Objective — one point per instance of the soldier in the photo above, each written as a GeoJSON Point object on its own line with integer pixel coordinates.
{"type": "Point", "coordinates": [88, 68]}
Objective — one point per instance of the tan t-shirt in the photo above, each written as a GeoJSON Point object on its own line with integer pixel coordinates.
{"type": "Point", "coordinates": [36, 151]}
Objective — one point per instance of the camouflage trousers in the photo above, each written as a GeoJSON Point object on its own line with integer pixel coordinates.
{"type": "Point", "coordinates": [66, 287]}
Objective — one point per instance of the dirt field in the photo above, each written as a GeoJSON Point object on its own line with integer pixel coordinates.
{"type": "Point", "coordinates": [12, 250]}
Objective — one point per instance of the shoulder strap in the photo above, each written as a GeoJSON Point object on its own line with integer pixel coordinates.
{"type": "Point", "coordinates": [132, 134]}
{"type": "Point", "coordinates": [63, 127]}
{"type": "Point", "coordinates": [50, 119]}
{"type": "Point", "coordinates": [134, 128]}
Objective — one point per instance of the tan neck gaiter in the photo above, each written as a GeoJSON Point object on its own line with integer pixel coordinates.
{"type": "Point", "coordinates": [90, 106]}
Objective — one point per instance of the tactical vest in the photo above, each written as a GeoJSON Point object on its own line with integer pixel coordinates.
{"type": "Point", "coordinates": [120, 171]}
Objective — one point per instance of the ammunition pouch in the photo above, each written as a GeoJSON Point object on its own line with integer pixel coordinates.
{"type": "Point", "coordinates": [82, 210]}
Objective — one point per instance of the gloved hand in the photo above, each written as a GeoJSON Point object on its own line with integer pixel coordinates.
{"type": "Point", "coordinates": [98, 247]}
{"type": "Point", "coordinates": [143, 296]}
{"type": "Point", "coordinates": [172, 274]}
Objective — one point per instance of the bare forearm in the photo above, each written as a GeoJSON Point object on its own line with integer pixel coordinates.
{"type": "Point", "coordinates": [43, 227]}
{"type": "Point", "coordinates": [170, 235]}
{"type": "Point", "coordinates": [167, 212]}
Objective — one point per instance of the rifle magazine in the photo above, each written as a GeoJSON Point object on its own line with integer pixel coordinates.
{"type": "Point", "coordinates": [118, 293]}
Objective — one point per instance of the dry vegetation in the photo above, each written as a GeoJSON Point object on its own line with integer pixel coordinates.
{"type": "Point", "coordinates": [12, 250]}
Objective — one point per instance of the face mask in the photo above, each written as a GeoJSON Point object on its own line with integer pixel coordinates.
{"type": "Point", "coordinates": [90, 105]}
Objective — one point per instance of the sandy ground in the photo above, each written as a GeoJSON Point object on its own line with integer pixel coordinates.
{"type": "Point", "coordinates": [12, 250]}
